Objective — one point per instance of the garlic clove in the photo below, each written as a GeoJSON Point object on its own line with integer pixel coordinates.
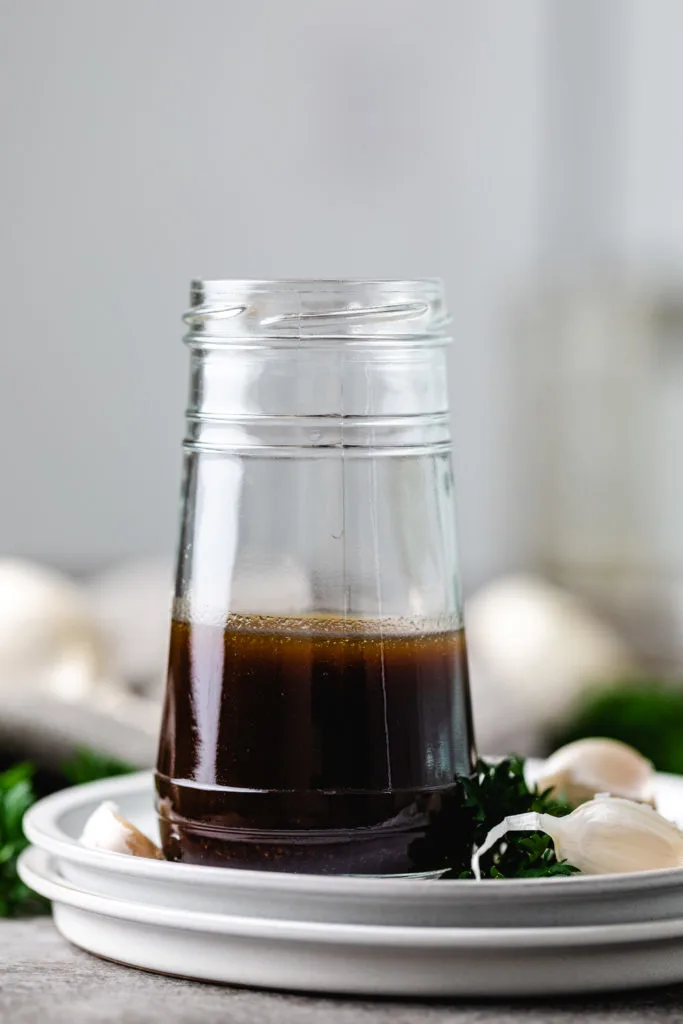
{"type": "Point", "coordinates": [579, 770]}
{"type": "Point", "coordinates": [106, 829]}
{"type": "Point", "coordinates": [610, 835]}
{"type": "Point", "coordinates": [607, 835]}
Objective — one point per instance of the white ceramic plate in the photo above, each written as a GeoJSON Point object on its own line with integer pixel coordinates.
{"type": "Point", "coordinates": [55, 823]}
{"type": "Point", "coordinates": [361, 959]}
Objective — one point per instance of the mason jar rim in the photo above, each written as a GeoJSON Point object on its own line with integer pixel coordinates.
{"type": "Point", "coordinates": [313, 284]}
{"type": "Point", "coordinates": [352, 310]}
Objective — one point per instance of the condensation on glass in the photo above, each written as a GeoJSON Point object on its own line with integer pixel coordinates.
{"type": "Point", "coordinates": [317, 700]}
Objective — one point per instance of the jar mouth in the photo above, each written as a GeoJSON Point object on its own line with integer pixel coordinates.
{"type": "Point", "coordinates": [352, 309]}
{"type": "Point", "coordinates": [314, 284]}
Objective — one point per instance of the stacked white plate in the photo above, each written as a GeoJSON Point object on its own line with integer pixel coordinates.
{"type": "Point", "coordinates": [353, 935]}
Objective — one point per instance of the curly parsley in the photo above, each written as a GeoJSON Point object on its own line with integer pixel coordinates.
{"type": "Point", "coordinates": [461, 819]}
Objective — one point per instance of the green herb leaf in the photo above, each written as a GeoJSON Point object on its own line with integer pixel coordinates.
{"type": "Point", "coordinates": [647, 714]}
{"type": "Point", "coordinates": [461, 819]}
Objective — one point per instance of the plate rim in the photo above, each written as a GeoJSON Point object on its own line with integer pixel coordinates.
{"type": "Point", "coordinates": [40, 876]}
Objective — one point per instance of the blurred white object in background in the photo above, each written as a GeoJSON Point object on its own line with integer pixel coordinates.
{"type": "Point", "coordinates": [131, 604]}
{"type": "Point", "coordinates": [48, 639]}
{"type": "Point", "coordinates": [59, 685]}
{"type": "Point", "coordinates": [533, 649]}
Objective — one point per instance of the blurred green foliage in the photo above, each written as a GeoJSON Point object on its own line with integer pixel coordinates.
{"type": "Point", "coordinates": [17, 794]}
{"type": "Point", "coordinates": [647, 714]}
{"type": "Point", "coordinates": [88, 766]}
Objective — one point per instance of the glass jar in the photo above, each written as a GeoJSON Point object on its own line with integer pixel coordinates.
{"type": "Point", "coordinates": [317, 692]}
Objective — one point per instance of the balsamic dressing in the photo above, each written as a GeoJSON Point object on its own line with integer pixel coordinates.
{"type": "Point", "coordinates": [308, 744]}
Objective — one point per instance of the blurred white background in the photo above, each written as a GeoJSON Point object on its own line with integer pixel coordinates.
{"type": "Point", "coordinates": [148, 142]}
{"type": "Point", "coordinates": [499, 145]}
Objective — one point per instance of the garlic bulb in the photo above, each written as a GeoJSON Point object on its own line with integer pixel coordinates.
{"type": "Point", "coordinates": [106, 829]}
{"type": "Point", "coordinates": [580, 770]}
{"type": "Point", "coordinates": [607, 835]}
{"type": "Point", "coordinates": [48, 639]}
{"type": "Point", "coordinates": [533, 649]}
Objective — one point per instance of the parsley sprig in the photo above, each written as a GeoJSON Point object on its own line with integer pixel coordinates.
{"type": "Point", "coordinates": [462, 818]}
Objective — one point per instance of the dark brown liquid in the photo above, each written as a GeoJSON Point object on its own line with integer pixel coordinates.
{"type": "Point", "coordinates": [308, 745]}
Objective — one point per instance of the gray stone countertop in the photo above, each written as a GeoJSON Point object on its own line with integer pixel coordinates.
{"type": "Point", "coordinates": [44, 979]}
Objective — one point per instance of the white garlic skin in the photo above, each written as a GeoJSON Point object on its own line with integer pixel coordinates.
{"type": "Point", "coordinates": [610, 835]}
{"type": "Point", "coordinates": [106, 829]}
{"type": "Point", "coordinates": [580, 770]}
